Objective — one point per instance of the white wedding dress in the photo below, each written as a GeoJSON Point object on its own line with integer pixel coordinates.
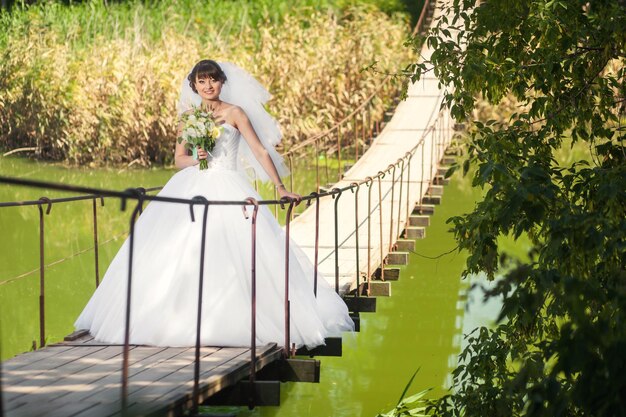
{"type": "Point", "coordinates": [166, 262]}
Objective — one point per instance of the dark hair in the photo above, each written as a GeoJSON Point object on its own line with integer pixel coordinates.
{"type": "Point", "coordinates": [207, 68]}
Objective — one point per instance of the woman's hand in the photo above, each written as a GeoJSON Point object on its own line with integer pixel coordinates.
{"type": "Point", "coordinates": [282, 191]}
{"type": "Point", "coordinates": [202, 154]}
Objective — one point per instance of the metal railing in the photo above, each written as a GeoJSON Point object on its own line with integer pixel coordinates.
{"type": "Point", "coordinates": [398, 180]}
{"type": "Point", "coordinates": [141, 195]}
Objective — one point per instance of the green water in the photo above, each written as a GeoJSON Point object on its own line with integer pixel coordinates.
{"type": "Point", "coordinates": [418, 327]}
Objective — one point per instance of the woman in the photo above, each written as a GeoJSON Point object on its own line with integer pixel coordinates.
{"type": "Point", "coordinates": [167, 243]}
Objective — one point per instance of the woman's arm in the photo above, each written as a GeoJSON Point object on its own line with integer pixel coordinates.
{"type": "Point", "coordinates": [242, 123]}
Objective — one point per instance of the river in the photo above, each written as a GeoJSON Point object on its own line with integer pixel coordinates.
{"type": "Point", "coordinates": [419, 326]}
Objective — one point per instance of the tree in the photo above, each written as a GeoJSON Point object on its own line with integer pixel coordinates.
{"type": "Point", "coordinates": [559, 348]}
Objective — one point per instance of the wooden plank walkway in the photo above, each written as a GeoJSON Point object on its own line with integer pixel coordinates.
{"type": "Point", "coordinates": [416, 118]}
{"type": "Point", "coordinates": [82, 378]}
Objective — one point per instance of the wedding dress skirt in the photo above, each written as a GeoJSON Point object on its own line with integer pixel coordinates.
{"type": "Point", "coordinates": [166, 264]}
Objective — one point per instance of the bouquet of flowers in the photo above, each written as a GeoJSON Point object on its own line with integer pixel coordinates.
{"type": "Point", "coordinates": [199, 130]}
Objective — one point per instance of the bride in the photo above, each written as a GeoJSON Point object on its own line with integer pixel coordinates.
{"type": "Point", "coordinates": [167, 244]}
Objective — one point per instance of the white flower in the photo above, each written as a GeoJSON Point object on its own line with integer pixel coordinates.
{"type": "Point", "coordinates": [189, 133]}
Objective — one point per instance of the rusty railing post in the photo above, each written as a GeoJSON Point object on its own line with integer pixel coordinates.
{"type": "Point", "coordinates": [356, 138]}
{"type": "Point", "coordinates": [380, 176]}
{"type": "Point", "coordinates": [287, 306]}
{"type": "Point", "coordinates": [336, 194]}
{"type": "Point", "coordinates": [291, 171]}
{"type": "Point", "coordinates": [275, 205]}
{"type": "Point", "coordinates": [317, 166]}
{"type": "Point", "coordinates": [126, 352]}
{"type": "Point", "coordinates": [339, 173]}
{"type": "Point", "coordinates": [392, 169]}
{"type": "Point", "coordinates": [317, 240]}
{"type": "Point", "coordinates": [196, 368]}
{"type": "Point", "coordinates": [400, 161]}
{"type": "Point", "coordinates": [363, 129]}
{"type": "Point", "coordinates": [369, 182]}
{"type": "Point", "coordinates": [95, 238]}
{"type": "Point", "coordinates": [42, 266]}
{"type": "Point", "coordinates": [356, 234]}
{"type": "Point", "coordinates": [251, 399]}
{"type": "Point", "coordinates": [326, 165]}
{"type": "Point", "coordinates": [433, 168]}
{"type": "Point", "coordinates": [409, 156]}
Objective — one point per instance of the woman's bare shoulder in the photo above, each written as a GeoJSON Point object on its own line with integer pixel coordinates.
{"type": "Point", "coordinates": [233, 114]}
{"type": "Point", "coordinates": [232, 108]}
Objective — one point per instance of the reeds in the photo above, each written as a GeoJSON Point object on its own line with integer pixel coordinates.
{"type": "Point", "coordinates": [99, 84]}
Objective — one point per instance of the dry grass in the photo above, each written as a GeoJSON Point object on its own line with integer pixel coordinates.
{"type": "Point", "coordinates": [114, 101]}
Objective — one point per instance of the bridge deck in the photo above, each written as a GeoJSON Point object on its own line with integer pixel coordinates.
{"type": "Point", "coordinates": [83, 379]}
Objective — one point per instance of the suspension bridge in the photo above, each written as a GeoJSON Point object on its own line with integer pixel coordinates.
{"type": "Point", "coordinates": [353, 231]}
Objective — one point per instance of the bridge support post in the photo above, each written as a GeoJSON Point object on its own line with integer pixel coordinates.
{"type": "Point", "coordinates": [265, 393]}
{"type": "Point", "coordinates": [292, 370]}
{"type": "Point", "coordinates": [361, 304]}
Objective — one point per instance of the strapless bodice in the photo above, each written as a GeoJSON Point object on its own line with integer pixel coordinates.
{"type": "Point", "coordinates": [224, 154]}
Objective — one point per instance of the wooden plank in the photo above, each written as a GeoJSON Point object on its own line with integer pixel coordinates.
{"type": "Point", "coordinates": [391, 274]}
{"type": "Point", "coordinates": [299, 370]}
{"type": "Point", "coordinates": [432, 199]}
{"type": "Point", "coordinates": [377, 289]}
{"type": "Point", "coordinates": [361, 304]}
{"type": "Point", "coordinates": [142, 358]}
{"type": "Point", "coordinates": [405, 245]}
{"type": "Point", "coordinates": [66, 363]}
{"type": "Point", "coordinates": [333, 347]}
{"type": "Point", "coordinates": [435, 190]}
{"type": "Point", "coordinates": [41, 368]}
{"type": "Point", "coordinates": [54, 409]}
{"type": "Point", "coordinates": [176, 381]}
{"type": "Point", "coordinates": [398, 258]}
{"type": "Point", "coordinates": [77, 334]}
{"type": "Point", "coordinates": [58, 380]}
{"type": "Point", "coordinates": [266, 355]}
{"type": "Point", "coordinates": [30, 358]}
{"type": "Point", "coordinates": [419, 220]}
{"type": "Point", "coordinates": [164, 398]}
{"type": "Point", "coordinates": [212, 380]}
{"type": "Point", "coordinates": [151, 374]}
{"type": "Point", "coordinates": [424, 209]}
{"type": "Point", "coordinates": [448, 160]}
{"type": "Point", "coordinates": [413, 232]}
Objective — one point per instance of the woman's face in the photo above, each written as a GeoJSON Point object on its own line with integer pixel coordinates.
{"type": "Point", "coordinates": [208, 88]}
